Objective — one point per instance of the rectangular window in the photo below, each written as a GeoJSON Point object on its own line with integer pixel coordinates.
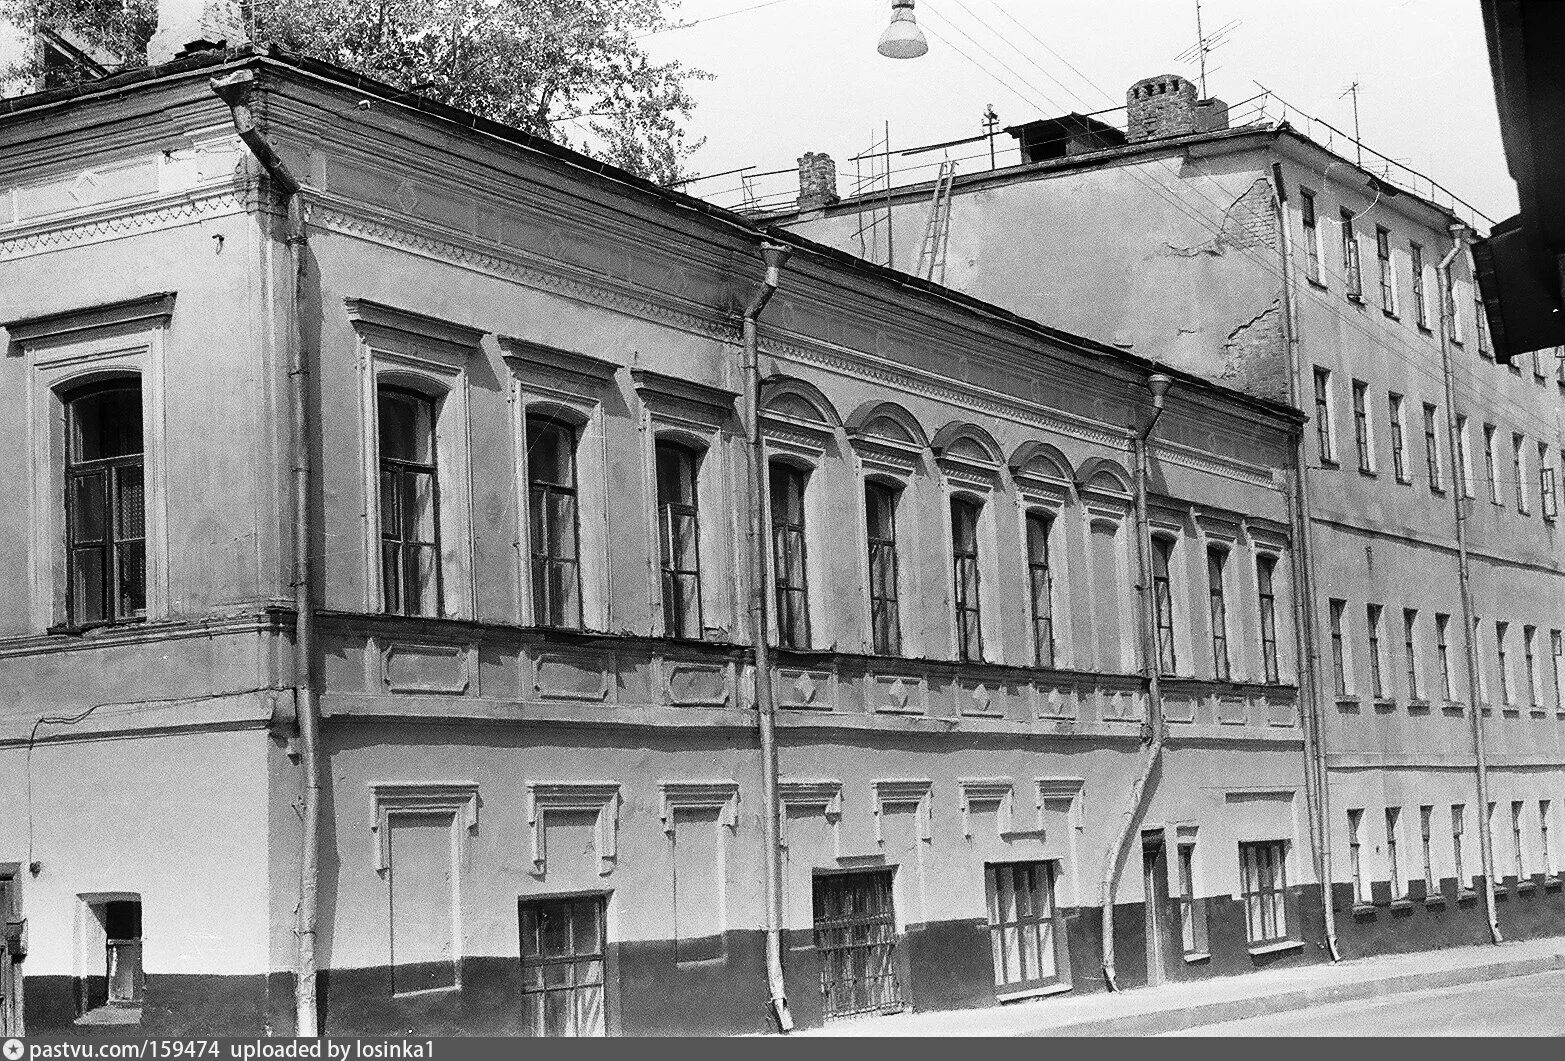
{"type": "Point", "coordinates": [409, 503]}
{"type": "Point", "coordinates": [1192, 911]}
{"type": "Point", "coordinates": [856, 939]}
{"type": "Point", "coordinates": [1483, 675]}
{"type": "Point", "coordinates": [1041, 585]}
{"type": "Point", "coordinates": [1442, 626]}
{"type": "Point", "coordinates": [1420, 298]}
{"type": "Point", "coordinates": [1339, 660]}
{"type": "Point", "coordinates": [1398, 441]}
{"type": "Point", "coordinates": [105, 504]}
{"type": "Point", "coordinates": [1530, 660]}
{"type": "Point", "coordinates": [1547, 497]}
{"type": "Point", "coordinates": [1361, 427]}
{"type": "Point", "coordinates": [1557, 657]}
{"type": "Point", "coordinates": [1215, 559]}
{"type": "Point", "coordinates": [1451, 307]}
{"type": "Point", "coordinates": [1328, 453]}
{"type": "Point", "coordinates": [964, 551]}
{"type": "Point", "coordinates": [679, 530]}
{"type": "Point", "coordinates": [1426, 846]}
{"type": "Point", "coordinates": [1545, 851]}
{"type": "Point", "coordinates": [1311, 236]}
{"type": "Point", "coordinates": [1265, 567]}
{"type": "Point", "coordinates": [880, 510]}
{"type": "Point", "coordinates": [1410, 648]}
{"type": "Point", "coordinates": [1163, 601]}
{"type": "Point", "coordinates": [1519, 471]}
{"type": "Point", "coordinates": [1350, 258]}
{"type": "Point", "coordinates": [1388, 286]}
{"type": "Point", "coordinates": [1361, 893]}
{"type": "Point", "coordinates": [562, 966]}
{"type": "Point", "coordinates": [1393, 859]}
{"type": "Point", "coordinates": [1502, 658]}
{"type": "Point", "coordinates": [787, 484]}
{"type": "Point", "coordinates": [1491, 462]}
{"type": "Point", "coordinates": [1021, 924]}
{"type": "Point", "coordinates": [1516, 840]}
{"type": "Point", "coordinates": [1432, 449]}
{"type": "Point", "coordinates": [1481, 329]}
{"type": "Point", "coordinates": [1458, 827]}
{"type": "Point", "coordinates": [1377, 682]}
{"type": "Point", "coordinates": [551, 492]}
{"type": "Point", "coordinates": [1464, 464]}
{"type": "Point", "coordinates": [1263, 872]}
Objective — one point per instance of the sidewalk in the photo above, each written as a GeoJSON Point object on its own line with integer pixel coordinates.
{"type": "Point", "coordinates": [1175, 1007]}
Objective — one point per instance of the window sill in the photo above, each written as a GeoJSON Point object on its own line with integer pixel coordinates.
{"type": "Point", "coordinates": [86, 630]}
{"type": "Point", "coordinates": [1363, 909]}
{"type": "Point", "coordinates": [1403, 903]}
{"type": "Point", "coordinates": [1404, 481]}
{"type": "Point", "coordinates": [1466, 895]}
{"type": "Point", "coordinates": [1368, 473]}
{"type": "Point", "coordinates": [1347, 700]}
{"type": "Point", "coordinates": [1438, 491]}
{"type": "Point", "coordinates": [1385, 703]}
{"type": "Point", "coordinates": [1357, 300]}
{"type": "Point", "coordinates": [1454, 707]}
{"type": "Point", "coordinates": [1526, 886]}
{"type": "Point", "coordinates": [1033, 992]}
{"type": "Point", "coordinates": [1552, 883]}
{"type": "Point", "coordinates": [1197, 956]}
{"type": "Point", "coordinates": [1437, 899]}
{"type": "Point", "coordinates": [1329, 462]}
{"type": "Point", "coordinates": [1539, 712]}
{"type": "Point", "coordinates": [1391, 314]}
{"type": "Point", "coordinates": [1426, 329]}
{"type": "Point", "coordinates": [110, 1015]}
{"type": "Point", "coordinates": [1316, 283]}
{"type": "Point", "coordinates": [1418, 703]}
{"type": "Point", "coordinates": [1276, 948]}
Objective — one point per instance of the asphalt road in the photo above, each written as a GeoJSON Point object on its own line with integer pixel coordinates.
{"type": "Point", "coordinates": [1522, 1005]}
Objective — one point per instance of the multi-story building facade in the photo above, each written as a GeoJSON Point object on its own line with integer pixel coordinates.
{"type": "Point", "coordinates": [542, 806]}
{"type": "Point", "coordinates": [1256, 256]}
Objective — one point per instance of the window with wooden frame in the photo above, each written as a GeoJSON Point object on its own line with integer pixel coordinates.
{"type": "Point", "coordinates": [1545, 851]}
{"type": "Point", "coordinates": [965, 513]}
{"type": "Point", "coordinates": [1388, 285]}
{"type": "Point", "coordinates": [1410, 652]}
{"type": "Point", "coordinates": [105, 503]}
{"type": "Point", "coordinates": [1519, 472]}
{"type": "Point", "coordinates": [409, 503]}
{"type": "Point", "coordinates": [880, 519]}
{"type": "Point", "coordinates": [1557, 656]}
{"type": "Point", "coordinates": [1398, 440]}
{"type": "Point", "coordinates": [1393, 852]}
{"type": "Point", "coordinates": [1361, 892]}
{"type": "Point", "coordinates": [1464, 464]}
{"type": "Point", "coordinates": [1041, 587]}
{"type": "Point", "coordinates": [1339, 659]}
{"type": "Point", "coordinates": [1216, 560]}
{"type": "Point", "coordinates": [1361, 432]}
{"type": "Point", "coordinates": [1192, 910]}
{"type": "Point", "coordinates": [1323, 435]}
{"type": "Point", "coordinates": [1312, 270]}
{"type": "Point", "coordinates": [1548, 498]}
{"type": "Point", "coordinates": [563, 966]}
{"type": "Point", "coordinates": [552, 520]}
{"type": "Point", "coordinates": [1163, 602]}
{"type": "Point", "coordinates": [1502, 658]}
{"type": "Point", "coordinates": [786, 484]}
{"type": "Point", "coordinates": [1022, 926]}
{"type": "Point", "coordinates": [1520, 866]}
{"type": "Point", "coordinates": [1432, 450]}
{"type": "Point", "coordinates": [1491, 462]}
{"type": "Point", "coordinates": [1265, 571]}
{"type": "Point", "coordinates": [679, 533]}
{"type": "Point", "coordinates": [1458, 828]}
{"type": "Point", "coordinates": [1443, 648]}
{"type": "Point", "coordinates": [1530, 661]}
{"type": "Point", "coordinates": [1426, 844]}
{"type": "Point", "coordinates": [1420, 295]}
{"type": "Point", "coordinates": [1350, 258]}
{"type": "Point", "coordinates": [1264, 883]}
{"type": "Point", "coordinates": [1377, 681]}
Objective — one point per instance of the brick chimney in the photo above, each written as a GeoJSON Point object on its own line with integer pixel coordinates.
{"type": "Point", "coordinates": [1166, 105]}
{"type": "Point", "coordinates": [817, 181]}
{"type": "Point", "coordinates": [194, 25]}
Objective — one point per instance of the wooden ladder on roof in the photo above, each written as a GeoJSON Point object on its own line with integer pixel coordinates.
{"type": "Point", "coordinates": [937, 230]}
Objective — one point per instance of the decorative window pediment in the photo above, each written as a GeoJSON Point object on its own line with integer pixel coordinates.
{"type": "Point", "coordinates": [982, 792]}
{"type": "Point", "coordinates": [682, 400]}
{"type": "Point", "coordinates": [1042, 474]}
{"type": "Point", "coordinates": [372, 317]}
{"type": "Point", "coordinates": [147, 311]}
{"type": "Point", "coordinates": [1168, 522]}
{"type": "Point", "coordinates": [797, 418]}
{"type": "Point", "coordinates": [548, 368]}
{"type": "Point", "coordinates": [414, 797]}
{"type": "Point", "coordinates": [1060, 794]}
{"type": "Point", "coordinates": [722, 795]}
{"type": "Point", "coordinates": [886, 437]}
{"type": "Point", "coordinates": [1104, 483]}
{"type": "Point", "coordinates": [968, 455]}
{"type": "Point", "coordinates": [903, 794]}
{"type": "Point", "coordinates": [1267, 535]}
{"type": "Point", "coordinates": [602, 799]}
{"type": "Point", "coordinates": [1218, 526]}
{"type": "Point", "coordinates": [807, 795]}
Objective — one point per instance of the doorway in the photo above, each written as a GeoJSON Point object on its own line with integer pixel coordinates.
{"type": "Point", "coordinates": [1154, 879]}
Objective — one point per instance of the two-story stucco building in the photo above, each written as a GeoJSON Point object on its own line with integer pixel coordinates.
{"type": "Point", "coordinates": [497, 390]}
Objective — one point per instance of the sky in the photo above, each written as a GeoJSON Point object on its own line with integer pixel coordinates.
{"type": "Point", "coordinates": [803, 75]}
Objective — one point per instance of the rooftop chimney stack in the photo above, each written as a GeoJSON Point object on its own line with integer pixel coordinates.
{"type": "Point", "coordinates": [1166, 105]}
{"type": "Point", "coordinates": [186, 26]}
{"type": "Point", "coordinates": [817, 181]}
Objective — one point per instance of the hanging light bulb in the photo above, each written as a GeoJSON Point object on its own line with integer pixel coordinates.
{"type": "Point", "coordinates": [902, 39]}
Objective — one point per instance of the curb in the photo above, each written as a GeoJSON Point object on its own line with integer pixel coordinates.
{"type": "Point", "coordinates": [1173, 1020]}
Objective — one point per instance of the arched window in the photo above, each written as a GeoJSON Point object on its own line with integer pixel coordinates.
{"type": "Point", "coordinates": [105, 503]}
{"type": "Point", "coordinates": [680, 534]}
{"type": "Point", "coordinates": [1216, 561]}
{"type": "Point", "coordinates": [964, 550]}
{"type": "Point", "coordinates": [409, 503]}
{"type": "Point", "coordinates": [880, 512]}
{"type": "Point", "coordinates": [787, 484]}
{"type": "Point", "coordinates": [551, 480]}
{"type": "Point", "coordinates": [1039, 524]}
{"type": "Point", "coordinates": [1163, 602]}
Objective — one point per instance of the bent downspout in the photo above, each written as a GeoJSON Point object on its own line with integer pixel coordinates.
{"type": "Point", "coordinates": [1480, 752]}
{"type": "Point", "coordinates": [776, 256]}
{"type": "Point", "coordinates": [1317, 778]}
{"type": "Point", "coordinates": [235, 89]}
{"type": "Point", "coordinates": [1140, 792]}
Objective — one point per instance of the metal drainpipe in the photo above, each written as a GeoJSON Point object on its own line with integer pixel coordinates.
{"type": "Point", "coordinates": [1480, 753]}
{"type": "Point", "coordinates": [1140, 792]}
{"type": "Point", "coordinates": [235, 89]}
{"type": "Point", "coordinates": [1301, 557]}
{"type": "Point", "coordinates": [776, 255]}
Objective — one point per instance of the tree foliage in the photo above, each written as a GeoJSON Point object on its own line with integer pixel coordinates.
{"type": "Point", "coordinates": [573, 71]}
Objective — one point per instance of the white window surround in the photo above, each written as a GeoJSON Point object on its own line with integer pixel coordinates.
{"type": "Point", "coordinates": [811, 794]}
{"type": "Point", "coordinates": [1272, 541]}
{"type": "Point", "coordinates": [916, 794]}
{"type": "Point", "coordinates": [566, 386]}
{"type": "Point", "coordinates": [998, 791]}
{"type": "Point", "coordinates": [970, 463]}
{"type": "Point", "coordinates": [405, 349]}
{"type": "Point", "coordinates": [1223, 531]}
{"type": "Point", "coordinates": [1171, 525]}
{"type": "Point", "coordinates": [889, 447]}
{"type": "Point", "coordinates": [63, 351]}
{"type": "Point", "coordinates": [389, 799]}
{"type": "Point", "coordinates": [600, 798]}
{"type": "Point", "coordinates": [699, 795]}
{"type": "Point", "coordinates": [1045, 484]}
{"type": "Point", "coordinates": [699, 417]}
{"type": "Point", "coordinates": [800, 427]}
{"type": "Point", "coordinates": [1106, 500]}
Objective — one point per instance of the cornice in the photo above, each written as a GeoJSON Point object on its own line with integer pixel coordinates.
{"type": "Point", "coordinates": [99, 226]}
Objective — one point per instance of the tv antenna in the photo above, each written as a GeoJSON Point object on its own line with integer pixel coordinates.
{"type": "Point", "coordinates": [1205, 45]}
{"type": "Point", "coordinates": [991, 121]}
{"type": "Point", "coordinates": [1358, 144]}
